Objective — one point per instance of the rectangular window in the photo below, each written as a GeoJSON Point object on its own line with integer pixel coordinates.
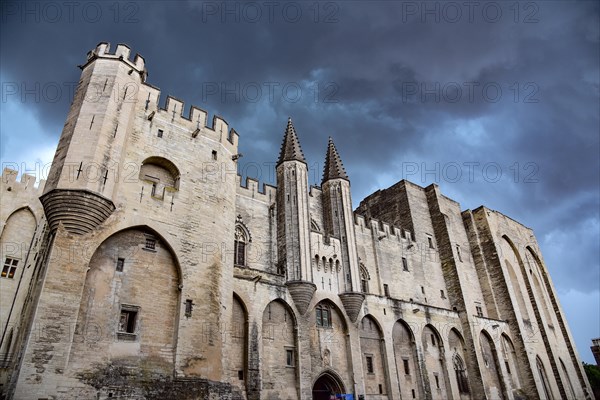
{"type": "Point", "coordinates": [507, 366]}
{"type": "Point", "coordinates": [386, 289]}
{"type": "Point", "coordinates": [458, 253]}
{"type": "Point", "coordinates": [150, 244]}
{"type": "Point", "coordinates": [380, 388]}
{"type": "Point", "coordinates": [406, 366]}
{"type": "Point", "coordinates": [160, 133]}
{"type": "Point", "coordinates": [413, 394]}
{"type": "Point", "coordinates": [432, 339]}
{"type": "Point", "coordinates": [241, 375]}
{"type": "Point", "coordinates": [240, 253]}
{"type": "Point", "coordinates": [10, 267]}
{"type": "Point", "coordinates": [127, 320]}
{"type": "Point", "coordinates": [430, 241]}
{"type": "Point", "coordinates": [370, 364]}
{"type": "Point", "coordinates": [479, 311]}
{"type": "Point", "coordinates": [442, 294]}
{"type": "Point", "coordinates": [437, 381]}
{"type": "Point", "coordinates": [404, 264]}
{"type": "Point", "coordinates": [189, 305]}
{"type": "Point", "coordinates": [120, 264]}
{"type": "Point", "coordinates": [423, 289]}
{"type": "Point", "coordinates": [289, 357]}
{"type": "Point", "coordinates": [214, 155]}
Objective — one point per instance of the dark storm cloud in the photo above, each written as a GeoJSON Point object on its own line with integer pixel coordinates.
{"type": "Point", "coordinates": [394, 85]}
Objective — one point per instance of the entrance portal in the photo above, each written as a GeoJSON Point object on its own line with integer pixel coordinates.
{"type": "Point", "coordinates": [327, 386]}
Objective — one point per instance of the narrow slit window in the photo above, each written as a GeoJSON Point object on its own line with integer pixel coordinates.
{"type": "Point", "coordinates": [386, 289]}
{"type": "Point", "coordinates": [160, 133]}
{"type": "Point", "coordinates": [404, 264]}
{"type": "Point", "coordinates": [458, 254]}
{"type": "Point", "coordinates": [289, 357]}
{"type": "Point", "coordinates": [214, 155]}
{"type": "Point", "coordinates": [370, 364]}
{"type": "Point", "coordinates": [406, 366]}
{"type": "Point", "coordinates": [430, 241]}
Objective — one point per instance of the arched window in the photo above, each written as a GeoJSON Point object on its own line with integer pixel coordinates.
{"type": "Point", "coordinates": [461, 376]}
{"type": "Point", "coordinates": [162, 174]}
{"type": "Point", "coordinates": [364, 280]}
{"type": "Point", "coordinates": [239, 247]}
{"type": "Point", "coordinates": [545, 385]}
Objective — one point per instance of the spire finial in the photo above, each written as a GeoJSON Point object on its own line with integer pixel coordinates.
{"type": "Point", "coordinates": [334, 168]}
{"type": "Point", "coordinates": [290, 148]}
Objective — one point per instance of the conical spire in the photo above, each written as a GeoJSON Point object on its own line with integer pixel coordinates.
{"type": "Point", "coordinates": [333, 164]}
{"type": "Point", "coordinates": [290, 149]}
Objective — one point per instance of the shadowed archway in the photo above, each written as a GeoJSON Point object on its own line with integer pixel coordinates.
{"type": "Point", "coordinates": [327, 385]}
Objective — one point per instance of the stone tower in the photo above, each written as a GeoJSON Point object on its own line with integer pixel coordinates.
{"type": "Point", "coordinates": [131, 192]}
{"type": "Point", "coordinates": [293, 220]}
{"type": "Point", "coordinates": [339, 222]}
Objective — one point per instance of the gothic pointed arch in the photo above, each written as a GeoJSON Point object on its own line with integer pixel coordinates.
{"type": "Point", "coordinates": [373, 357]}
{"type": "Point", "coordinates": [118, 296]}
{"type": "Point", "coordinates": [459, 354]}
{"type": "Point", "coordinates": [491, 367]}
{"type": "Point", "coordinates": [240, 243]}
{"type": "Point", "coordinates": [364, 278]}
{"type": "Point", "coordinates": [238, 344]}
{"type": "Point", "coordinates": [279, 353]}
{"type": "Point", "coordinates": [436, 377]}
{"type": "Point", "coordinates": [406, 358]}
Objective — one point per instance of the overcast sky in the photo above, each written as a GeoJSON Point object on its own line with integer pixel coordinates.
{"type": "Point", "coordinates": [496, 102]}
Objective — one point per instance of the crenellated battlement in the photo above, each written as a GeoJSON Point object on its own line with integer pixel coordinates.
{"type": "Point", "coordinates": [26, 184]}
{"type": "Point", "coordinates": [382, 229]}
{"type": "Point", "coordinates": [196, 121]}
{"type": "Point", "coordinates": [122, 52]}
{"type": "Point", "coordinates": [251, 188]}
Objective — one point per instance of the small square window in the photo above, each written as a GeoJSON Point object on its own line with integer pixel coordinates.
{"type": "Point", "coordinates": [404, 264]}
{"type": "Point", "coordinates": [10, 267]}
{"type": "Point", "coordinates": [150, 244]}
{"type": "Point", "coordinates": [127, 321]}
{"type": "Point", "coordinates": [386, 289]}
{"type": "Point", "coordinates": [289, 357]}
{"type": "Point", "coordinates": [160, 133]}
{"type": "Point", "coordinates": [120, 264]}
{"type": "Point", "coordinates": [370, 364]}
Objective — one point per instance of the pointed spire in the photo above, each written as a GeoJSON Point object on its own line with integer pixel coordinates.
{"type": "Point", "coordinates": [333, 164]}
{"type": "Point", "coordinates": [290, 149]}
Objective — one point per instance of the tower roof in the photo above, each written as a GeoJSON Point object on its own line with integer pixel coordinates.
{"type": "Point", "coordinates": [290, 148]}
{"type": "Point", "coordinates": [333, 164]}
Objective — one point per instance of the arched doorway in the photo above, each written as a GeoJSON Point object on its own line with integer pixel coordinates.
{"type": "Point", "coordinates": [326, 386]}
